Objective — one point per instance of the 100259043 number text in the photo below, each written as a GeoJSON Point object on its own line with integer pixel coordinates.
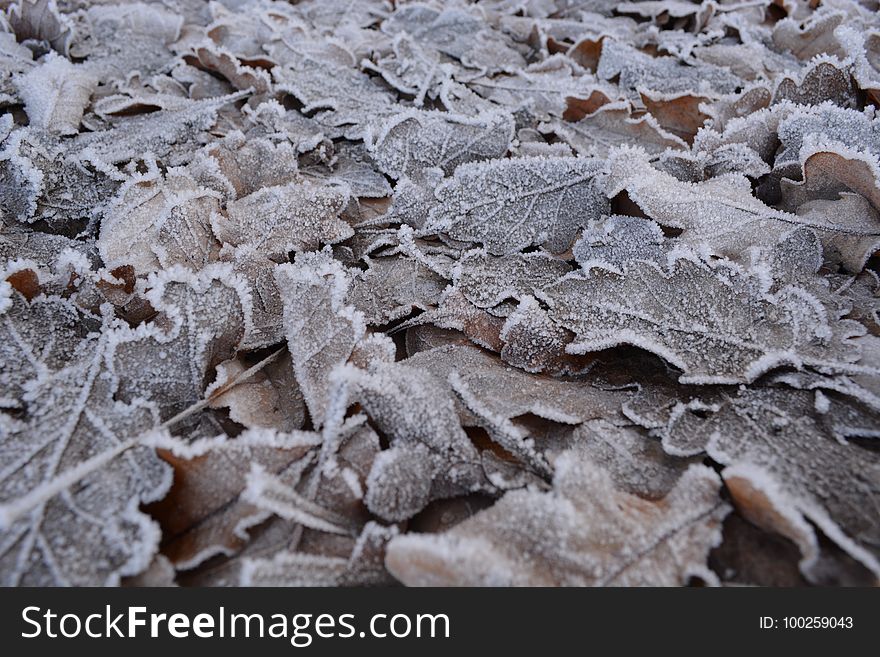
{"type": "Point", "coordinates": [806, 622]}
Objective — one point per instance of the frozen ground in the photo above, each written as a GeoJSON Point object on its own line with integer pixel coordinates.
{"type": "Point", "coordinates": [533, 292]}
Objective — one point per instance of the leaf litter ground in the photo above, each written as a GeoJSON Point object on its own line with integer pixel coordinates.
{"type": "Point", "coordinates": [505, 292]}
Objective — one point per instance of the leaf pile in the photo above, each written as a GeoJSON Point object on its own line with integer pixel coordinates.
{"type": "Point", "coordinates": [504, 292]}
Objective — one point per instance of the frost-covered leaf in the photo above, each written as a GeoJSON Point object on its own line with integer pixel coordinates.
{"type": "Point", "coordinates": [839, 186]}
{"type": "Point", "coordinates": [456, 312]}
{"type": "Point", "coordinates": [244, 32]}
{"type": "Point", "coordinates": [41, 181]}
{"type": "Point", "coordinates": [531, 340]}
{"type": "Point", "coordinates": [240, 76]}
{"type": "Point", "coordinates": [298, 216]}
{"type": "Point", "coordinates": [271, 493]}
{"type": "Point", "coordinates": [712, 162]}
{"type": "Point", "coordinates": [721, 214]}
{"type": "Point", "coordinates": [20, 181]}
{"type": "Point", "coordinates": [203, 512]}
{"type": "Point", "coordinates": [363, 567]}
{"type": "Point", "coordinates": [678, 115]}
{"type": "Point", "coordinates": [752, 61]}
{"type": "Point", "coordinates": [727, 327]}
{"type": "Point", "coordinates": [617, 241]}
{"type": "Point", "coordinates": [829, 169]}
{"type": "Point", "coordinates": [751, 556]}
{"type": "Point", "coordinates": [532, 144]}
{"type": "Point", "coordinates": [327, 504]}
{"type": "Point", "coordinates": [246, 165]}
{"type": "Point", "coordinates": [543, 87]}
{"type": "Point", "coordinates": [55, 93]}
{"type": "Point", "coordinates": [160, 221]}
{"type": "Point", "coordinates": [40, 20]}
{"type": "Point", "coordinates": [258, 273]}
{"type": "Point", "coordinates": [15, 59]}
{"type": "Point", "coordinates": [864, 293]}
{"type": "Point", "coordinates": [811, 37]}
{"type": "Point", "coordinates": [612, 125]}
{"type": "Point", "coordinates": [267, 399]}
{"type": "Point", "coordinates": [486, 394]}
{"type": "Point", "coordinates": [825, 79]}
{"type": "Point", "coordinates": [302, 490]}
{"type": "Point", "coordinates": [456, 33]}
{"type": "Point", "coordinates": [118, 39]}
{"type": "Point", "coordinates": [855, 214]}
{"type": "Point", "coordinates": [352, 166]}
{"type": "Point", "coordinates": [430, 455]}
{"type": "Point", "coordinates": [321, 329]}
{"type": "Point", "coordinates": [414, 141]}
{"type": "Point", "coordinates": [90, 531]}
{"type": "Point", "coordinates": [857, 130]}
{"type": "Point", "coordinates": [413, 69]}
{"type": "Point", "coordinates": [498, 393]}
{"type": "Point", "coordinates": [637, 71]}
{"type": "Point", "coordinates": [862, 48]}
{"type": "Point", "coordinates": [413, 201]}
{"type": "Point", "coordinates": [512, 204]}
{"type": "Point", "coordinates": [316, 510]}
{"type": "Point", "coordinates": [273, 120]}
{"type": "Point", "coordinates": [169, 135]}
{"type": "Point", "coordinates": [391, 288]}
{"type": "Point", "coordinates": [487, 280]}
{"type": "Point", "coordinates": [584, 533]}
{"type": "Point", "coordinates": [39, 337]}
{"type": "Point", "coordinates": [636, 462]}
{"type": "Point", "coordinates": [170, 361]}
{"type": "Point", "coordinates": [350, 99]}
{"type": "Point", "coordinates": [747, 121]}
{"type": "Point", "coordinates": [817, 477]}
{"type": "Point", "coordinates": [335, 14]}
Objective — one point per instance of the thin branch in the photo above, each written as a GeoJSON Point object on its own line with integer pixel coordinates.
{"type": "Point", "coordinates": [12, 511]}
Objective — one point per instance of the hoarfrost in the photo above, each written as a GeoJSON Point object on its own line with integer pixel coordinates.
{"type": "Point", "coordinates": [355, 293]}
{"type": "Point", "coordinates": [585, 533]}
{"type": "Point", "coordinates": [513, 204]}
